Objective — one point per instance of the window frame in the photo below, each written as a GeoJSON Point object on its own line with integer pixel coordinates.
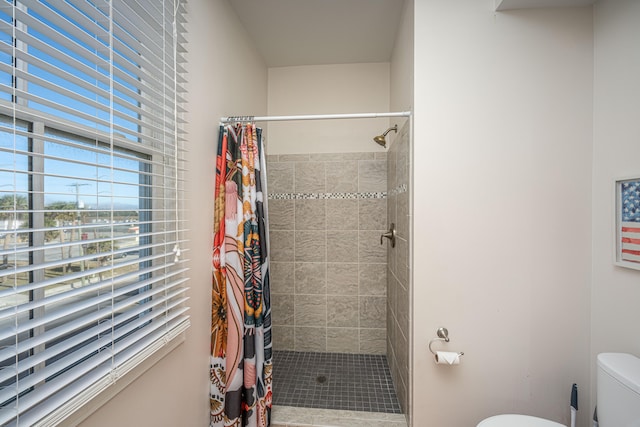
{"type": "Point", "coordinates": [39, 122]}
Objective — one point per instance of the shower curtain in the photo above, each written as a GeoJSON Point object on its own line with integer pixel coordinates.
{"type": "Point", "coordinates": [241, 352]}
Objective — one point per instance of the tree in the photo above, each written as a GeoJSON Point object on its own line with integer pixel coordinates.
{"type": "Point", "coordinates": [103, 250]}
{"type": "Point", "coordinates": [10, 202]}
{"type": "Point", "coordinates": [10, 205]}
{"type": "Point", "coordinates": [59, 213]}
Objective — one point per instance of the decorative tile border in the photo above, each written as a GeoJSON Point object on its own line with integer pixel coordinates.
{"type": "Point", "coordinates": [327, 196]}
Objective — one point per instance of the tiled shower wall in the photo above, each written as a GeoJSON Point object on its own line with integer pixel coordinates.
{"type": "Point", "coordinates": [398, 275]}
{"type": "Point", "coordinates": [328, 268]}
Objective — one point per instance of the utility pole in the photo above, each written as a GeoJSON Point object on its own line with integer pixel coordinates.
{"type": "Point", "coordinates": [77, 186]}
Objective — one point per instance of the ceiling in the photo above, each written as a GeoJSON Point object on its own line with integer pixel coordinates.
{"type": "Point", "coordinates": [314, 32]}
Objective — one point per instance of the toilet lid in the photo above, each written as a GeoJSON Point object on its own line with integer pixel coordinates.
{"type": "Point", "coordinates": [513, 420]}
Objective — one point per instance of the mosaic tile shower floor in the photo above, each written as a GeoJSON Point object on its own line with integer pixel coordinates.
{"type": "Point", "coordinates": [354, 382]}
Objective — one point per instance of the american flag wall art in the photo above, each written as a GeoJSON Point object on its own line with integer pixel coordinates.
{"type": "Point", "coordinates": [630, 221]}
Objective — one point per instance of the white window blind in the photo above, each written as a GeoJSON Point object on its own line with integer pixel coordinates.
{"type": "Point", "coordinates": [91, 225]}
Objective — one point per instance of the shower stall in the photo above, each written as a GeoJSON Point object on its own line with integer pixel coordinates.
{"type": "Point", "coordinates": [339, 291]}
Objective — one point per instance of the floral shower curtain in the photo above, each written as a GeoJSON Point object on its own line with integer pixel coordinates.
{"type": "Point", "coordinates": [241, 352]}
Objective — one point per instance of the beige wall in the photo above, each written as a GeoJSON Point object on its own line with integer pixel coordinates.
{"type": "Point", "coordinates": [401, 66]}
{"type": "Point", "coordinates": [327, 89]}
{"type": "Point", "coordinates": [174, 392]}
{"type": "Point", "coordinates": [502, 144]}
{"type": "Point", "coordinates": [615, 290]}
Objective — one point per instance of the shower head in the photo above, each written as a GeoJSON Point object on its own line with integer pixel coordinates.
{"type": "Point", "coordinates": [380, 139]}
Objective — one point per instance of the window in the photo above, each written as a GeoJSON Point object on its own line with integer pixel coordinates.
{"type": "Point", "coordinates": [91, 270]}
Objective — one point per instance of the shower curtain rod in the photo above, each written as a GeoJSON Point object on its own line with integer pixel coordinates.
{"type": "Point", "coordinates": [232, 119]}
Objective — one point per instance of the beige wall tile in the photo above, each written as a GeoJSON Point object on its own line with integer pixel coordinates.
{"type": "Point", "coordinates": [310, 339]}
{"type": "Point", "coordinates": [372, 175]}
{"type": "Point", "coordinates": [282, 279]}
{"type": "Point", "coordinates": [391, 170]}
{"type": "Point", "coordinates": [311, 310]}
{"type": "Point", "coordinates": [372, 279]}
{"type": "Point", "coordinates": [402, 313]}
{"type": "Point", "coordinates": [392, 292]}
{"type": "Point", "coordinates": [392, 202]}
{"type": "Point", "coordinates": [373, 341]}
{"type": "Point", "coordinates": [310, 246]}
{"type": "Point", "coordinates": [372, 214]}
{"type": "Point", "coordinates": [402, 260]}
{"type": "Point", "coordinates": [336, 157]}
{"type": "Point", "coordinates": [342, 311]}
{"type": "Point", "coordinates": [293, 158]}
{"type": "Point", "coordinates": [281, 246]}
{"type": "Point", "coordinates": [309, 177]}
{"type": "Point", "coordinates": [391, 343]}
{"type": "Point", "coordinates": [342, 214]}
{"type": "Point", "coordinates": [310, 215]}
{"type": "Point", "coordinates": [342, 340]}
{"type": "Point", "coordinates": [395, 372]}
{"type": "Point", "coordinates": [282, 309]}
{"type": "Point", "coordinates": [392, 257]}
{"type": "Point", "coordinates": [402, 220]}
{"type": "Point", "coordinates": [281, 214]}
{"type": "Point", "coordinates": [402, 394]}
{"type": "Point", "coordinates": [342, 278]}
{"type": "Point", "coordinates": [283, 337]}
{"type": "Point", "coordinates": [403, 161]}
{"type": "Point", "coordinates": [280, 178]}
{"type": "Point", "coordinates": [369, 248]}
{"type": "Point", "coordinates": [373, 312]}
{"type": "Point", "coordinates": [310, 278]}
{"type": "Point", "coordinates": [402, 353]}
{"type": "Point", "coordinates": [342, 177]}
{"type": "Point", "coordinates": [342, 246]}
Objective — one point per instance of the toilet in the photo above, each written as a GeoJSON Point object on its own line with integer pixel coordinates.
{"type": "Point", "coordinates": [513, 420]}
{"type": "Point", "coordinates": [618, 388]}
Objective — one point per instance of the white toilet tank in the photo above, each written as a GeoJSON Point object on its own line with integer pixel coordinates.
{"type": "Point", "coordinates": [618, 388]}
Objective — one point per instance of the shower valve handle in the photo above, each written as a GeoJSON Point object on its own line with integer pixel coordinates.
{"type": "Point", "coordinates": [391, 235]}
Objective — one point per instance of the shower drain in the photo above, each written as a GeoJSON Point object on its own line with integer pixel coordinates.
{"type": "Point", "coordinates": [321, 379]}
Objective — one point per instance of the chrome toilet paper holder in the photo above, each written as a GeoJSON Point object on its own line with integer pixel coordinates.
{"type": "Point", "coordinates": [443, 335]}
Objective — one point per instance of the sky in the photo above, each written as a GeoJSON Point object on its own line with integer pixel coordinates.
{"type": "Point", "coordinates": [77, 85]}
